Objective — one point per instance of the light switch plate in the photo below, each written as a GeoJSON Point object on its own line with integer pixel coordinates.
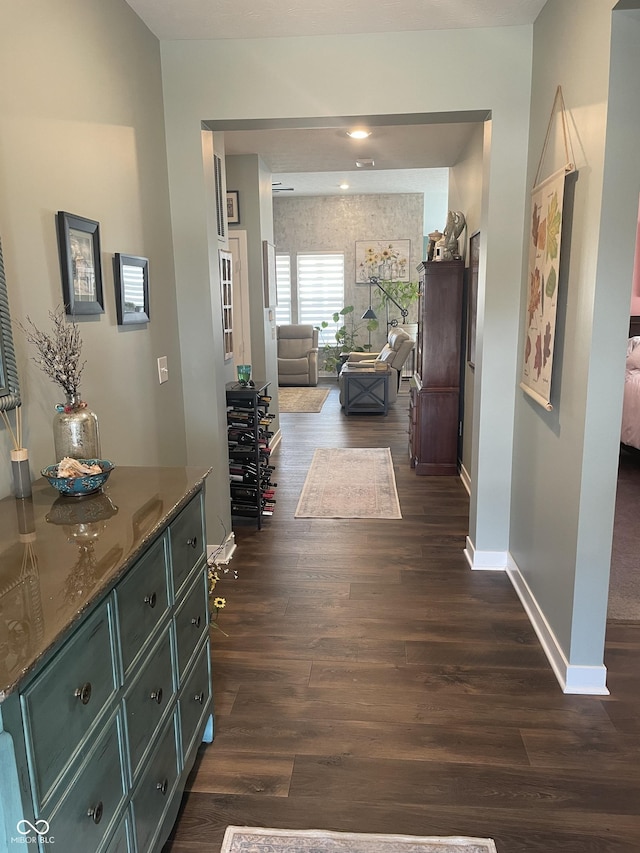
{"type": "Point", "coordinates": [163, 369]}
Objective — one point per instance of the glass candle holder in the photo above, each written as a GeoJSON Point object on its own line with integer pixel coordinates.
{"type": "Point", "coordinates": [244, 373]}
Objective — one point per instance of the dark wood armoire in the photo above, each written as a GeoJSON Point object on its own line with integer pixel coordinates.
{"type": "Point", "coordinates": [434, 409]}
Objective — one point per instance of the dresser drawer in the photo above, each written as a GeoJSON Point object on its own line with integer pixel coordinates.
{"type": "Point", "coordinates": [64, 702]}
{"type": "Point", "coordinates": [154, 793]}
{"type": "Point", "coordinates": [192, 620]}
{"type": "Point", "coordinates": [143, 599]}
{"type": "Point", "coordinates": [186, 535]}
{"type": "Point", "coordinates": [86, 813]}
{"type": "Point", "coordinates": [120, 842]}
{"type": "Point", "coordinates": [195, 699]}
{"type": "Point", "coordinates": [148, 698]}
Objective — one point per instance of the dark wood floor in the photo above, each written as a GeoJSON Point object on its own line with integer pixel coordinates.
{"type": "Point", "coordinates": [371, 682]}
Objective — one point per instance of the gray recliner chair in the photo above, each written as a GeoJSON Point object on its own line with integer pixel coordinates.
{"type": "Point", "coordinates": [297, 355]}
{"type": "Point", "coordinates": [394, 354]}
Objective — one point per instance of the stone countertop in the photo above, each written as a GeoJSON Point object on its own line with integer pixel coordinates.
{"type": "Point", "coordinates": [59, 555]}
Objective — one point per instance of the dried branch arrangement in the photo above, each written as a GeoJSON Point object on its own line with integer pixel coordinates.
{"type": "Point", "coordinates": [59, 352]}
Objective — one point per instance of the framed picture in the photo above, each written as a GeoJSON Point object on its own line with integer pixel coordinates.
{"type": "Point", "coordinates": [388, 260]}
{"type": "Point", "coordinates": [472, 309]}
{"type": "Point", "coordinates": [233, 208]}
{"type": "Point", "coordinates": [131, 279]}
{"type": "Point", "coordinates": [79, 248]}
{"type": "Point", "coordinates": [269, 274]}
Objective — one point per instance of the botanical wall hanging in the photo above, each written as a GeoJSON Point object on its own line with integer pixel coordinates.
{"type": "Point", "coordinates": [545, 235]}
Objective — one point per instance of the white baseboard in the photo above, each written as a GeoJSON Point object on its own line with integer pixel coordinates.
{"type": "Point", "coordinates": [586, 680]}
{"type": "Point", "coordinates": [276, 438]}
{"type": "Point", "coordinates": [466, 479]}
{"type": "Point", "coordinates": [487, 561]}
{"type": "Point", "coordinates": [222, 554]}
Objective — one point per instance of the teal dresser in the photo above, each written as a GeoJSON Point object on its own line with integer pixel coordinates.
{"type": "Point", "coordinates": [105, 672]}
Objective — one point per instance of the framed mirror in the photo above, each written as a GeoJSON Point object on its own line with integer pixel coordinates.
{"type": "Point", "coordinates": [131, 277]}
{"type": "Point", "coordinates": [9, 387]}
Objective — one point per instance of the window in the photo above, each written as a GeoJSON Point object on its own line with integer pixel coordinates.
{"type": "Point", "coordinates": [283, 284]}
{"type": "Point", "coordinates": [320, 289]}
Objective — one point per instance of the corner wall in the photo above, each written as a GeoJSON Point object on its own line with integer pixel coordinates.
{"type": "Point", "coordinates": [565, 461]}
{"type": "Point", "coordinates": [82, 130]}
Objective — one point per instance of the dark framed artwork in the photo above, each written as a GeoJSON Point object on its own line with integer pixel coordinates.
{"type": "Point", "coordinates": [79, 248]}
{"type": "Point", "coordinates": [474, 264]}
{"type": "Point", "coordinates": [233, 208]}
{"type": "Point", "coordinates": [131, 279]}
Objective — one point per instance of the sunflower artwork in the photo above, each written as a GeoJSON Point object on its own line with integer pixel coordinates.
{"type": "Point", "coordinates": [542, 287]}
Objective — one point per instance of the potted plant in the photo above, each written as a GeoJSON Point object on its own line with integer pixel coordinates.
{"type": "Point", "coordinates": [402, 293]}
{"type": "Point", "coordinates": [346, 336]}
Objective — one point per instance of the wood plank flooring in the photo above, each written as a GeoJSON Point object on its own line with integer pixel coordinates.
{"type": "Point", "coordinates": [371, 682]}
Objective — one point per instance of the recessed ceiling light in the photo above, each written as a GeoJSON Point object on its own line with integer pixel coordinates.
{"type": "Point", "coordinates": [344, 186]}
{"type": "Point", "coordinates": [359, 133]}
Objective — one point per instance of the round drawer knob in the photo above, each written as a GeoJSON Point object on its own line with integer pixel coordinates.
{"type": "Point", "coordinates": [196, 621]}
{"type": "Point", "coordinates": [95, 813]}
{"type": "Point", "coordinates": [199, 697]}
{"type": "Point", "coordinates": [193, 542]}
{"type": "Point", "coordinates": [162, 786]}
{"type": "Point", "coordinates": [150, 600]}
{"type": "Point", "coordinates": [83, 693]}
{"type": "Point", "coordinates": [157, 695]}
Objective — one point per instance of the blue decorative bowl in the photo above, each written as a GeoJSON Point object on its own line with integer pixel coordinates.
{"type": "Point", "coordinates": [79, 486]}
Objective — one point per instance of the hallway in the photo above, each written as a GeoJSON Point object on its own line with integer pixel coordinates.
{"type": "Point", "coordinates": [371, 682]}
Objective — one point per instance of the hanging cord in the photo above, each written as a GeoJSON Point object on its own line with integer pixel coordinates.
{"type": "Point", "coordinates": [568, 148]}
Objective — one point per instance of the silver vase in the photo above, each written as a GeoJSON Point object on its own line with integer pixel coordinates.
{"type": "Point", "coordinates": [75, 430]}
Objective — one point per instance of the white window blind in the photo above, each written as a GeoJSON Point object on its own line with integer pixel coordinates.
{"type": "Point", "coordinates": [320, 289]}
{"type": "Point", "coordinates": [283, 287]}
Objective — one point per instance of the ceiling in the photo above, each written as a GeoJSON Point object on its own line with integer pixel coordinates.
{"type": "Point", "coordinates": [248, 19]}
{"type": "Point", "coordinates": [315, 160]}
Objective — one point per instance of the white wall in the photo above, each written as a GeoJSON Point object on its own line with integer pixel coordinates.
{"type": "Point", "coordinates": [82, 130]}
{"type": "Point", "coordinates": [465, 194]}
{"type": "Point", "coordinates": [323, 76]}
{"type": "Point", "coordinates": [565, 461]}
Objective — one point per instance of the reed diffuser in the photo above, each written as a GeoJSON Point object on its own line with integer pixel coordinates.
{"type": "Point", "coordinates": [19, 457]}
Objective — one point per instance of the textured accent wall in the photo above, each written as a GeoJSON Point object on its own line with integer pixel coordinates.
{"type": "Point", "coordinates": [335, 223]}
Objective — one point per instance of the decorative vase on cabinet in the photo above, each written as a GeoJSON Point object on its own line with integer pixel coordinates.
{"type": "Point", "coordinates": [75, 430]}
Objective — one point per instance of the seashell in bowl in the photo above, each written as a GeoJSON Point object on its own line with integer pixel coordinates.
{"type": "Point", "coordinates": [82, 484]}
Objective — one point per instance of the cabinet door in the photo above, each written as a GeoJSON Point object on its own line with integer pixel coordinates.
{"type": "Point", "coordinates": [154, 793]}
{"type": "Point", "coordinates": [437, 432]}
{"type": "Point", "coordinates": [187, 542]}
{"type": "Point", "coordinates": [87, 812]}
{"type": "Point", "coordinates": [66, 699]}
{"type": "Point", "coordinates": [192, 620]}
{"type": "Point", "coordinates": [143, 599]}
{"type": "Point", "coordinates": [148, 698]}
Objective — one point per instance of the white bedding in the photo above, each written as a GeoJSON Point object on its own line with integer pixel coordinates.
{"type": "Point", "coordinates": [630, 431]}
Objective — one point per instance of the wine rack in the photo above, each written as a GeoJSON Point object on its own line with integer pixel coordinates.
{"type": "Point", "coordinates": [250, 475]}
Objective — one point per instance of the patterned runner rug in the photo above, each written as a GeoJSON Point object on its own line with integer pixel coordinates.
{"type": "Point", "coordinates": [350, 483]}
{"type": "Point", "coordinates": [245, 839]}
{"type": "Point", "coordinates": [302, 399]}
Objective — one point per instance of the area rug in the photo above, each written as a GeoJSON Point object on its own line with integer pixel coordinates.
{"type": "Point", "coordinates": [247, 839]}
{"type": "Point", "coordinates": [350, 483]}
{"type": "Point", "coordinates": [302, 399]}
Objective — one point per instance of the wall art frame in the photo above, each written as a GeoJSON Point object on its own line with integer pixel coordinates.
{"type": "Point", "coordinates": [131, 281]}
{"type": "Point", "coordinates": [388, 260]}
{"type": "Point", "coordinates": [233, 207]}
{"type": "Point", "coordinates": [80, 264]}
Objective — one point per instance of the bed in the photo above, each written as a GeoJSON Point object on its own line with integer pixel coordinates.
{"type": "Point", "coordinates": [630, 429]}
